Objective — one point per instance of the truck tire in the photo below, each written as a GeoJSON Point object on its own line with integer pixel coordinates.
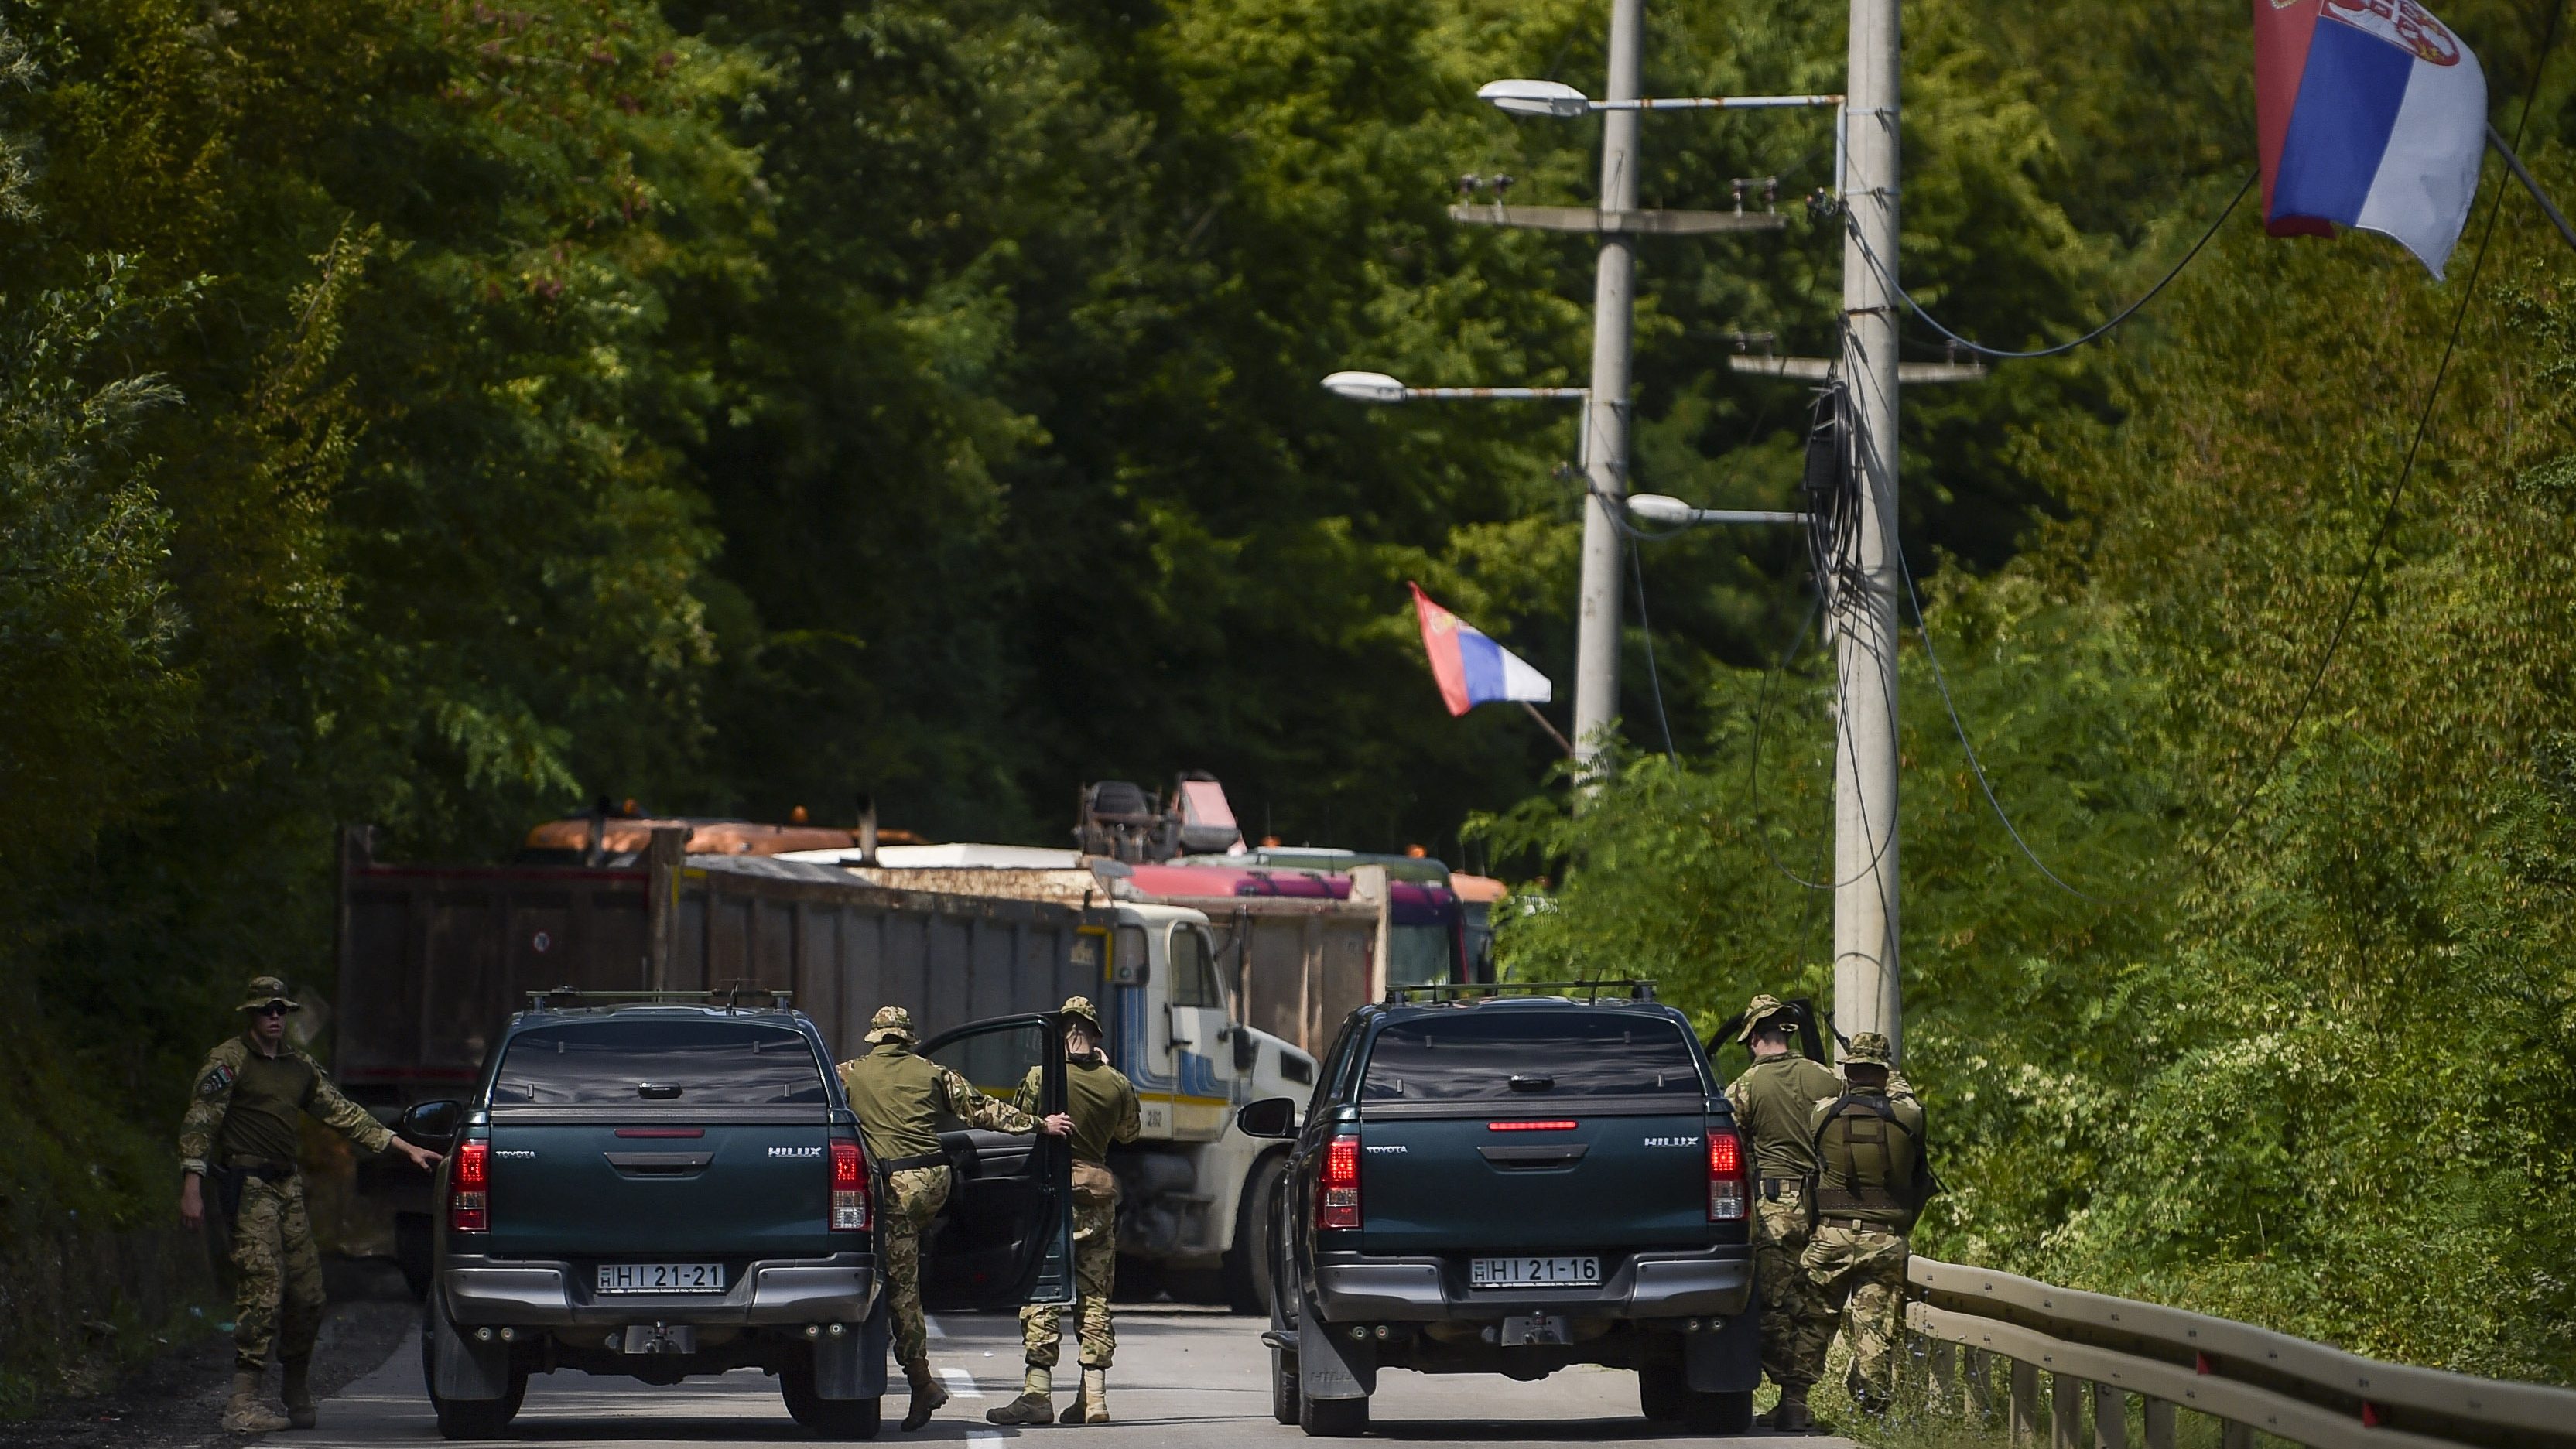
{"type": "Point", "coordinates": [411, 1252]}
{"type": "Point", "coordinates": [1333, 1418]}
{"type": "Point", "coordinates": [1287, 1399]}
{"type": "Point", "coordinates": [1247, 1264]}
{"type": "Point", "coordinates": [828, 1418]}
{"type": "Point", "coordinates": [468, 1418]}
{"type": "Point", "coordinates": [1138, 1280]}
{"type": "Point", "coordinates": [1720, 1413]}
{"type": "Point", "coordinates": [1663, 1392]}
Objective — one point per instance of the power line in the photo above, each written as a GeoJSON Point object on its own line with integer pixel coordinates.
{"type": "Point", "coordinates": [1646, 626]}
{"type": "Point", "coordinates": [2123, 315]}
{"type": "Point", "coordinates": [2423, 425]}
{"type": "Point", "coordinates": [1923, 631]}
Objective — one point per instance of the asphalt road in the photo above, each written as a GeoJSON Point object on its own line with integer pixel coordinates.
{"type": "Point", "coordinates": [1180, 1373]}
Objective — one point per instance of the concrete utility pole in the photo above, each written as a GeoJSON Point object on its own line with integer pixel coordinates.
{"type": "Point", "coordinates": [1605, 433]}
{"type": "Point", "coordinates": [1866, 996]}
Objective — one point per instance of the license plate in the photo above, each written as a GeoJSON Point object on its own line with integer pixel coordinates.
{"type": "Point", "coordinates": [1534, 1272]}
{"type": "Point", "coordinates": [661, 1277]}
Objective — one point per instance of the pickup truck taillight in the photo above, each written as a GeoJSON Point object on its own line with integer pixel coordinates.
{"type": "Point", "coordinates": [1726, 1195]}
{"type": "Point", "coordinates": [1337, 1188]}
{"type": "Point", "coordinates": [469, 1185]}
{"type": "Point", "coordinates": [849, 1188]}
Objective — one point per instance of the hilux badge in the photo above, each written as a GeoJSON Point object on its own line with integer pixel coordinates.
{"type": "Point", "coordinates": [796, 1152]}
{"type": "Point", "coordinates": [1670, 1142]}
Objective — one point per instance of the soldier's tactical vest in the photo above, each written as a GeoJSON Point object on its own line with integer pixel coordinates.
{"type": "Point", "coordinates": [896, 1094]}
{"type": "Point", "coordinates": [1868, 1162]}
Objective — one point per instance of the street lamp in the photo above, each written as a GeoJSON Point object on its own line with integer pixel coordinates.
{"type": "Point", "coordinates": [1377, 387]}
{"type": "Point", "coordinates": [1555, 98]}
{"type": "Point", "coordinates": [1659, 508]}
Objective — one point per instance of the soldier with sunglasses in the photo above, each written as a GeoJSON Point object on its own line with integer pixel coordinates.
{"type": "Point", "coordinates": [241, 1128]}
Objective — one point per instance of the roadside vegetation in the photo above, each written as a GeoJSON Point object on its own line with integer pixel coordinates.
{"type": "Point", "coordinates": [440, 413]}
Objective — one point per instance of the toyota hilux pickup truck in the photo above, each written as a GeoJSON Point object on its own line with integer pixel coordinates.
{"type": "Point", "coordinates": [1512, 1184]}
{"type": "Point", "coordinates": [656, 1189]}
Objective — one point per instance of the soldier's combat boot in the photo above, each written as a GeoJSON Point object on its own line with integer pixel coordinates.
{"type": "Point", "coordinates": [1790, 1415]}
{"type": "Point", "coordinates": [244, 1413]}
{"type": "Point", "coordinates": [1032, 1406]}
{"type": "Point", "coordinates": [298, 1393]}
{"type": "Point", "coordinates": [927, 1395]}
{"type": "Point", "coordinates": [1091, 1406]}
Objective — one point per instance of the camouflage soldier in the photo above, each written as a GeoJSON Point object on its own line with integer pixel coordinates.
{"type": "Point", "coordinates": [898, 1095]}
{"type": "Point", "coordinates": [241, 1128]}
{"type": "Point", "coordinates": [1773, 1100]}
{"type": "Point", "coordinates": [1103, 1104]}
{"type": "Point", "coordinates": [1869, 1161]}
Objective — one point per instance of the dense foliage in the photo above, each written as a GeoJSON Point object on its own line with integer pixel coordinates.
{"type": "Point", "coordinates": [440, 412]}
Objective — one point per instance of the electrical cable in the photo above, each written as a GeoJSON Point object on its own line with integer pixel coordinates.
{"type": "Point", "coordinates": [1923, 632]}
{"type": "Point", "coordinates": [1753, 775]}
{"type": "Point", "coordinates": [2423, 424]}
{"type": "Point", "coordinates": [2123, 315]}
{"type": "Point", "coordinates": [1646, 626]}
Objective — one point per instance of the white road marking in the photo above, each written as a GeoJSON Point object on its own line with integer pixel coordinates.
{"type": "Point", "coordinates": [961, 1384]}
{"type": "Point", "coordinates": [930, 1327]}
{"type": "Point", "coordinates": [982, 1436]}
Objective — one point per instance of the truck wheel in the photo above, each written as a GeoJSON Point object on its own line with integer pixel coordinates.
{"type": "Point", "coordinates": [828, 1418]}
{"type": "Point", "coordinates": [1663, 1391]}
{"type": "Point", "coordinates": [472, 1418]}
{"type": "Point", "coordinates": [1139, 1280]}
{"type": "Point", "coordinates": [1720, 1413]}
{"type": "Point", "coordinates": [411, 1252]}
{"type": "Point", "coordinates": [1287, 1399]}
{"type": "Point", "coordinates": [1247, 1264]}
{"type": "Point", "coordinates": [1333, 1418]}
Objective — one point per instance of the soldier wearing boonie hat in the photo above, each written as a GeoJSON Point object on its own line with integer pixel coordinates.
{"type": "Point", "coordinates": [1773, 1100]}
{"type": "Point", "coordinates": [898, 1095]}
{"type": "Point", "coordinates": [1869, 1187]}
{"type": "Point", "coordinates": [242, 1128]}
{"type": "Point", "coordinates": [1102, 1103]}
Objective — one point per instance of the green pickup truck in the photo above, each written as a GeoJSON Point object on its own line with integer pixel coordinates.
{"type": "Point", "coordinates": [1513, 1184]}
{"type": "Point", "coordinates": [659, 1190]}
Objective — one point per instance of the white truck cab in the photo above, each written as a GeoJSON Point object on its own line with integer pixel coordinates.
{"type": "Point", "coordinates": [1193, 1187]}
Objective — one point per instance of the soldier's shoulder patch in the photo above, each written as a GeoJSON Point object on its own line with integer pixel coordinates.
{"type": "Point", "coordinates": [217, 1080]}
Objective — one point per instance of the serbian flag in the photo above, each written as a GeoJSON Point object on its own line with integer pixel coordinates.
{"type": "Point", "coordinates": [1471, 668]}
{"type": "Point", "coordinates": [2368, 113]}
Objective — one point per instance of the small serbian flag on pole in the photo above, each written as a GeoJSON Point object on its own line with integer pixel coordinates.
{"type": "Point", "coordinates": [1471, 668]}
{"type": "Point", "coordinates": [2368, 113]}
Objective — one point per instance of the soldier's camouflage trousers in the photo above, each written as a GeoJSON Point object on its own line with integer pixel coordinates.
{"type": "Point", "coordinates": [1797, 1323]}
{"type": "Point", "coordinates": [914, 1197]}
{"type": "Point", "coordinates": [1095, 1261]}
{"type": "Point", "coordinates": [277, 1285]}
{"type": "Point", "coordinates": [1865, 1267]}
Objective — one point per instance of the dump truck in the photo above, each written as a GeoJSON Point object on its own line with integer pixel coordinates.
{"type": "Point", "coordinates": [434, 959]}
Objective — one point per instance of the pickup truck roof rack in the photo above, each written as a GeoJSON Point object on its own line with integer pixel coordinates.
{"type": "Point", "coordinates": [1632, 988]}
{"type": "Point", "coordinates": [731, 998]}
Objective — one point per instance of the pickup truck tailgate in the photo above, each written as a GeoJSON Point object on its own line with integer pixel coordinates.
{"type": "Point", "coordinates": [714, 1188]}
{"type": "Point", "coordinates": [1527, 1129]}
{"type": "Point", "coordinates": [1455, 1184]}
{"type": "Point", "coordinates": [640, 1135]}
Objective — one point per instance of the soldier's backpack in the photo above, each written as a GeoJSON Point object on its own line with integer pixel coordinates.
{"type": "Point", "coordinates": [1861, 1141]}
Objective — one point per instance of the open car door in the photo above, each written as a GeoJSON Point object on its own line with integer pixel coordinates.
{"type": "Point", "coordinates": [1006, 1235]}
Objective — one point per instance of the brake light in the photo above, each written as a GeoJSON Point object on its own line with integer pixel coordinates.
{"type": "Point", "coordinates": [1726, 1193]}
{"type": "Point", "coordinates": [849, 1188]}
{"type": "Point", "coordinates": [1566, 1124]}
{"type": "Point", "coordinates": [468, 1187]}
{"type": "Point", "coordinates": [1337, 1191]}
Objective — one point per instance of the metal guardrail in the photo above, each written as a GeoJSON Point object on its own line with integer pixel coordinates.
{"type": "Point", "coordinates": [2250, 1379]}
